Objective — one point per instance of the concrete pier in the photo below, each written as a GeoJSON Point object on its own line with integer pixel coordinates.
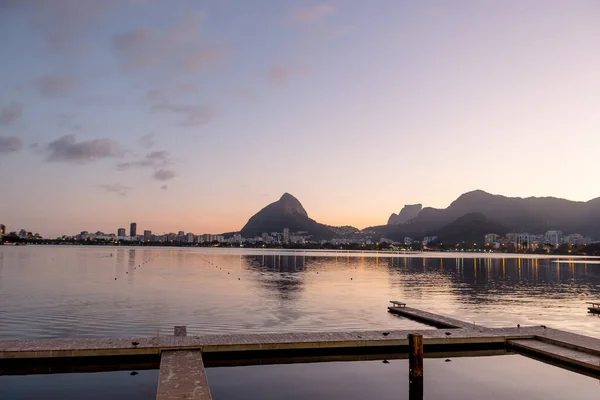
{"type": "Point", "coordinates": [182, 358]}
{"type": "Point", "coordinates": [182, 376]}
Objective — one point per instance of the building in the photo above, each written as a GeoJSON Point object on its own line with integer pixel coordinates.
{"type": "Point", "coordinates": [554, 238]}
{"type": "Point", "coordinates": [429, 239]}
{"type": "Point", "coordinates": [190, 238]}
{"type": "Point", "coordinates": [133, 230]}
{"type": "Point", "coordinates": [121, 233]}
{"type": "Point", "coordinates": [408, 241]}
{"type": "Point", "coordinates": [491, 238]}
{"type": "Point", "coordinates": [286, 235]}
{"type": "Point", "coordinates": [522, 241]}
{"type": "Point", "coordinates": [2, 229]}
{"type": "Point", "coordinates": [574, 239]}
{"type": "Point", "coordinates": [147, 236]}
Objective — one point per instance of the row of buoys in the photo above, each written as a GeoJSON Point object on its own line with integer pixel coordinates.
{"type": "Point", "coordinates": [139, 265]}
{"type": "Point", "coordinates": [216, 266]}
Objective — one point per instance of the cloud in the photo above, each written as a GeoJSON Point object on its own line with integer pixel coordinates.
{"type": "Point", "coordinates": [164, 187]}
{"type": "Point", "coordinates": [116, 188]}
{"type": "Point", "coordinates": [163, 175]}
{"type": "Point", "coordinates": [180, 47]}
{"type": "Point", "coordinates": [52, 85]}
{"type": "Point", "coordinates": [148, 140]}
{"type": "Point", "coordinates": [10, 144]}
{"type": "Point", "coordinates": [313, 13]}
{"type": "Point", "coordinates": [202, 59]}
{"type": "Point", "coordinates": [279, 75]}
{"type": "Point", "coordinates": [10, 113]}
{"type": "Point", "coordinates": [155, 159]}
{"type": "Point", "coordinates": [61, 23]}
{"type": "Point", "coordinates": [191, 115]}
{"type": "Point", "coordinates": [66, 149]}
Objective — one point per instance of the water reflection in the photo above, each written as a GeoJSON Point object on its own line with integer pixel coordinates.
{"type": "Point", "coordinates": [72, 291]}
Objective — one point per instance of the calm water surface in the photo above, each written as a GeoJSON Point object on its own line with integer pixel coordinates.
{"type": "Point", "coordinates": [68, 291]}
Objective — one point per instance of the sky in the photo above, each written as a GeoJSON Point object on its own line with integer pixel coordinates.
{"type": "Point", "coordinates": [193, 115]}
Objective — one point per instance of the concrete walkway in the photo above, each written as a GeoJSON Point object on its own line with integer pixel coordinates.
{"type": "Point", "coordinates": [182, 374]}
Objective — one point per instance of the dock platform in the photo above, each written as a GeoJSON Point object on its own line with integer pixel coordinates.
{"type": "Point", "coordinates": [182, 359]}
{"type": "Point", "coordinates": [594, 307]}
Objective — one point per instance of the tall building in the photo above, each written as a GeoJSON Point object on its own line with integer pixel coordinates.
{"type": "Point", "coordinates": [522, 240]}
{"type": "Point", "coordinates": [286, 235]}
{"type": "Point", "coordinates": [121, 232]}
{"type": "Point", "coordinates": [2, 229]}
{"type": "Point", "coordinates": [190, 237]}
{"type": "Point", "coordinates": [147, 236]}
{"type": "Point", "coordinates": [554, 238]}
{"type": "Point", "coordinates": [133, 229]}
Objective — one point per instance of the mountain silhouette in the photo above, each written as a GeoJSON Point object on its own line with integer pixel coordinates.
{"type": "Point", "coordinates": [287, 212]}
{"type": "Point", "coordinates": [531, 215]}
{"type": "Point", "coordinates": [470, 227]}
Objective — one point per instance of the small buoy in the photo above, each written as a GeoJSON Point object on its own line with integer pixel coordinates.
{"type": "Point", "coordinates": [135, 343]}
{"type": "Point", "coordinates": [133, 373]}
{"type": "Point", "coordinates": [238, 279]}
{"type": "Point", "coordinates": [385, 333]}
{"type": "Point", "coordinates": [350, 278]}
{"type": "Point", "coordinates": [447, 360]}
{"type": "Point", "coordinates": [385, 362]}
{"type": "Point", "coordinates": [447, 333]}
{"type": "Point", "coordinates": [115, 279]}
{"type": "Point", "coordinates": [518, 325]}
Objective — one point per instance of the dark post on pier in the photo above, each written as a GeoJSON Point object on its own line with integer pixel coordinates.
{"type": "Point", "coordinates": [415, 366]}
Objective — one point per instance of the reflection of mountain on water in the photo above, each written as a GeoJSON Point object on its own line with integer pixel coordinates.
{"type": "Point", "coordinates": [279, 274]}
{"type": "Point", "coordinates": [485, 280]}
{"type": "Point", "coordinates": [276, 263]}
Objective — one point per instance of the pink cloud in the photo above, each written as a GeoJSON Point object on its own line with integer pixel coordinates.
{"type": "Point", "coordinates": [180, 47]}
{"type": "Point", "coordinates": [313, 13]}
{"type": "Point", "coordinates": [53, 85]}
{"type": "Point", "coordinates": [279, 75]}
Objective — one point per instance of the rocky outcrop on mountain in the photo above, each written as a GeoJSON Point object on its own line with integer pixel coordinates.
{"type": "Point", "coordinates": [407, 213]}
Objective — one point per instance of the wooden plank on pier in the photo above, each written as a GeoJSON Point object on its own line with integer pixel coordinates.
{"type": "Point", "coordinates": [182, 376]}
{"type": "Point", "coordinates": [428, 318]}
{"type": "Point", "coordinates": [557, 353]}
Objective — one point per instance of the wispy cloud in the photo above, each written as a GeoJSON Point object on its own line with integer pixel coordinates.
{"type": "Point", "coordinates": [190, 115]}
{"type": "Point", "coordinates": [10, 113]}
{"type": "Point", "coordinates": [148, 140]}
{"type": "Point", "coordinates": [180, 47]}
{"type": "Point", "coordinates": [67, 149]}
{"type": "Point", "coordinates": [116, 189]}
{"type": "Point", "coordinates": [279, 75]}
{"type": "Point", "coordinates": [163, 175]}
{"type": "Point", "coordinates": [10, 144]}
{"type": "Point", "coordinates": [54, 85]}
{"type": "Point", "coordinates": [313, 13]}
{"type": "Point", "coordinates": [155, 159]}
{"type": "Point", "coordinates": [61, 23]}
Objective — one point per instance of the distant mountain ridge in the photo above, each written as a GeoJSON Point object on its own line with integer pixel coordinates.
{"type": "Point", "coordinates": [469, 217]}
{"type": "Point", "coordinates": [289, 213]}
{"type": "Point", "coordinates": [532, 215]}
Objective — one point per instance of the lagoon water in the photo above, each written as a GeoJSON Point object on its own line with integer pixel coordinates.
{"type": "Point", "coordinates": [79, 291]}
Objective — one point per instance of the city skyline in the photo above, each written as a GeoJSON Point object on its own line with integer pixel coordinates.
{"type": "Point", "coordinates": [196, 116]}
